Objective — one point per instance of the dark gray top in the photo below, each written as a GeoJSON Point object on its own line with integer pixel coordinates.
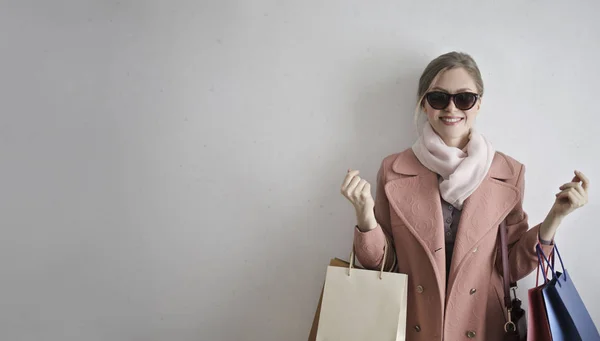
{"type": "Point", "coordinates": [451, 216]}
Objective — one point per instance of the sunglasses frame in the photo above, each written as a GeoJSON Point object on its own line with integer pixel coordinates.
{"type": "Point", "coordinates": [453, 99]}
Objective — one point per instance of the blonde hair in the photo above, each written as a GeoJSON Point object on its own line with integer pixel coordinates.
{"type": "Point", "coordinates": [447, 61]}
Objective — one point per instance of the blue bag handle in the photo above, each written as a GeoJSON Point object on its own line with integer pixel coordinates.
{"type": "Point", "coordinates": [541, 264]}
{"type": "Point", "coordinates": [550, 264]}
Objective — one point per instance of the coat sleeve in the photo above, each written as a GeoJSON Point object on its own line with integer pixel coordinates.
{"type": "Point", "coordinates": [522, 241]}
{"type": "Point", "coordinates": [369, 245]}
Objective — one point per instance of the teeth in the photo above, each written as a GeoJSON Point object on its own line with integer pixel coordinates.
{"type": "Point", "coordinates": [450, 120]}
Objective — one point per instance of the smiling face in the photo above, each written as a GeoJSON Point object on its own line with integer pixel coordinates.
{"type": "Point", "coordinates": [452, 124]}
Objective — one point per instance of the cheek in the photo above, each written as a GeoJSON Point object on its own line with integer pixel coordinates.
{"type": "Point", "coordinates": [471, 114]}
{"type": "Point", "coordinates": [431, 113]}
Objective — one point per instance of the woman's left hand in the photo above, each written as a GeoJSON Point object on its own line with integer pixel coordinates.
{"type": "Point", "coordinates": [573, 195]}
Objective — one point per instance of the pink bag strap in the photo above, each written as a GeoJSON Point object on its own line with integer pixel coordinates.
{"type": "Point", "coordinates": [505, 267]}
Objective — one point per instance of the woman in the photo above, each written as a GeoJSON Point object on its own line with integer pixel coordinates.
{"type": "Point", "coordinates": [438, 206]}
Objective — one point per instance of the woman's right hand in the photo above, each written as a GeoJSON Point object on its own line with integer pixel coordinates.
{"type": "Point", "coordinates": [358, 192]}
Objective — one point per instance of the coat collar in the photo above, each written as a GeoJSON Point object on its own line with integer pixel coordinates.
{"type": "Point", "coordinates": [407, 163]}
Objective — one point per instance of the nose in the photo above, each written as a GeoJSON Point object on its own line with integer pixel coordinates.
{"type": "Point", "coordinates": [451, 107]}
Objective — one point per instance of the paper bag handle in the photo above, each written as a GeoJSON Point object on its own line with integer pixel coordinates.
{"type": "Point", "coordinates": [353, 259]}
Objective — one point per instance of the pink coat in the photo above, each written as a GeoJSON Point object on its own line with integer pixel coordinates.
{"type": "Point", "coordinates": [408, 210]}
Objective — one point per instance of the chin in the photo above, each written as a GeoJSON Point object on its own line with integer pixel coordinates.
{"type": "Point", "coordinates": [451, 131]}
{"type": "Point", "coordinates": [445, 134]}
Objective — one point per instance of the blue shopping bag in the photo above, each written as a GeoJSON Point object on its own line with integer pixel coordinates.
{"type": "Point", "coordinates": [567, 315]}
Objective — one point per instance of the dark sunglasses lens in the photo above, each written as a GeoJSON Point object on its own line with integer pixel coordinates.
{"type": "Point", "coordinates": [438, 100]}
{"type": "Point", "coordinates": [465, 101]}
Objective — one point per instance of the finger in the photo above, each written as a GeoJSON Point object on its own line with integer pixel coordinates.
{"type": "Point", "coordinates": [351, 174]}
{"type": "Point", "coordinates": [359, 187]}
{"type": "Point", "coordinates": [572, 197]}
{"type": "Point", "coordinates": [565, 191]}
{"type": "Point", "coordinates": [574, 185]}
{"type": "Point", "coordinates": [580, 191]}
{"type": "Point", "coordinates": [352, 185]}
{"type": "Point", "coordinates": [584, 180]}
{"type": "Point", "coordinates": [569, 185]}
{"type": "Point", "coordinates": [563, 194]}
{"type": "Point", "coordinates": [367, 189]}
{"type": "Point", "coordinates": [582, 199]}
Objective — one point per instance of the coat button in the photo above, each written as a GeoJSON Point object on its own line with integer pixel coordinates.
{"type": "Point", "coordinates": [420, 289]}
{"type": "Point", "coordinates": [471, 334]}
{"type": "Point", "coordinates": [473, 291]}
{"type": "Point", "coordinates": [418, 328]}
{"type": "Point", "coordinates": [474, 250]}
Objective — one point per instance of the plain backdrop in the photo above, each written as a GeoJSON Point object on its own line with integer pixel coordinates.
{"type": "Point", "coordinates": [171, 170]}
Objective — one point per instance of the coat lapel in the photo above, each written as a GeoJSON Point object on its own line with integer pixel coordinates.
{"type": "Point", "coordinates": [415, 198]}
{"type": "Point", "coordinates": [483, 211]}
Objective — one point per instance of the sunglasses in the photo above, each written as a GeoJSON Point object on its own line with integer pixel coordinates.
{"type": "Point", "coordinates": [463, 101]}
